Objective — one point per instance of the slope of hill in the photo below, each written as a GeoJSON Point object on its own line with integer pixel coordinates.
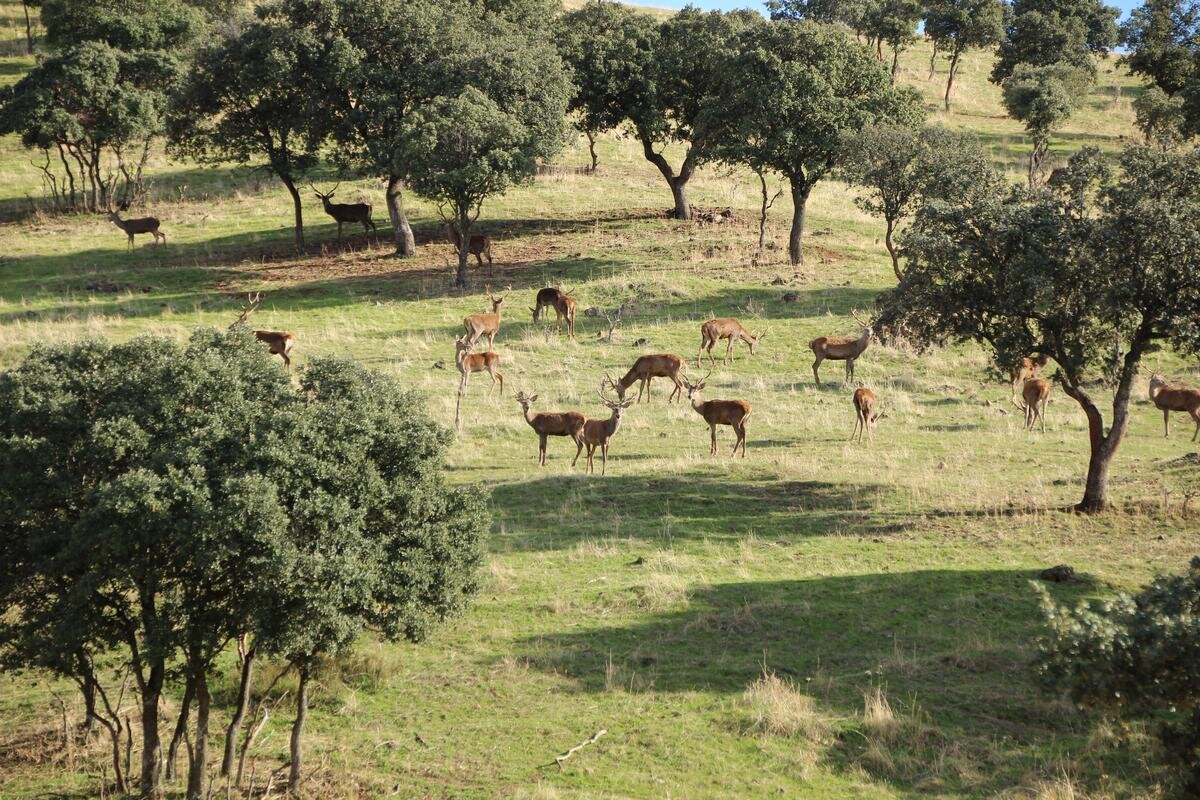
{"type": "Point", "coordinates": [885, 588]}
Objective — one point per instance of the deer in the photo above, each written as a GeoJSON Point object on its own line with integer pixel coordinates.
{"type": "Point", "coordinates": [661, 365]}
{"type": "Point", "coordinates": [724, 328]}
{"type": "Point", "coordinates": [279, 343]}
{"type": "Point", "coordinates": [841, 348]}
{"type": "Point", "coordinates": [865, 416]}
{"type": "Point", "coordinates": [598, 432]}
{"type": "Point", "coordinates": [1035, 392]}
{"type": "Point", "coordinates": [469, 362]}
{"type": "Point", "coordinates": [1174, 397]}
{"type": "Point", "coordinates": [132, 227]}
{"type": "Point", "coordinates": [1025, 369]}
{"type": "Point", "coordinates": [562, 423]}
{"type": "Point", "coordinates": [345, 212]}
{"type": "Point", "coordinates": [733, 413]}
{"type": "Point", "coordinates": [478, 245]}
{"type": "Point", "coordinates": [563, 305]}
{"type": "Point", "coordinates": [488, 325]}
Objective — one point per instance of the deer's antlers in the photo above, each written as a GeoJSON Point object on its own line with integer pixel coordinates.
{"type": "Point", "coordinates": [858, 319]}
{"type": "Point", "coordinates": [253, 302]}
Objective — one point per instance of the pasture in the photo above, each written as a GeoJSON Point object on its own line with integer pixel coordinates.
{"type": "Point", "coordinates": [882, 590]}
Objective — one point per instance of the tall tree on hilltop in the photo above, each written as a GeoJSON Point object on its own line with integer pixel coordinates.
{"type": "Point", "coordinates": [956, 26]}
{"type": "Point", "coordinates": [1162, 37]}
{"type": "Point", "coordinates": [1046, 32]}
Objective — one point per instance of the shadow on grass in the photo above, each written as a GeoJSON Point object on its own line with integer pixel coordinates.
{"type": "Point", "coordinates": [955, 643]}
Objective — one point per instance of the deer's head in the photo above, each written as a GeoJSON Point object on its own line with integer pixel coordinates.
{"type": "Point", "coordinates": [253, 301]}
{"type": "Point", "coordinates": [618, 405]}
{"type": "Point", "coordinates": [755, 338]}
{"type": "Point", "coordinates": [694, 389]}
{"type": "Point", "coordinates": [325, 196]}
{"type": "Point", "coordinates": [526, 400]}
{"type": "Point", "coordinates": [868, 330]}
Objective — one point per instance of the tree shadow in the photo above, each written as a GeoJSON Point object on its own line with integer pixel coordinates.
{"type": "Point", "coordinates": [955, 643]}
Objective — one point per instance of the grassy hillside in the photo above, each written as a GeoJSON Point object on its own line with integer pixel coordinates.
{"type": "Point", "coordinates": [886, 587]}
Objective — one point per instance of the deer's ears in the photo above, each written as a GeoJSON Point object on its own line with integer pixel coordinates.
{"type": "Point", "coordinates": [532, 398]}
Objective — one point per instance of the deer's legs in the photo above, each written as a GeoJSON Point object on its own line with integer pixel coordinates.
{"type": "Point", "coordinates": [339, 232]}
{"type": "Point", "coordinates": [678, 389]}
{"type": "Point", "coordinates": [741, 438]}
{"type": "Point", "coordinates": [541, 449]}
{"type": "Point", "coordinates": [1042, 414]}
{"type": "Point", "coordinates": [712, 450]}
{"type": "Point", "coordinates": [497, 376]}
{"type": "Point", "coordinates": [1196, 416]}
{"type": "Point", "coordinates": [578, 450]}
{"type": "Point", "coordinates": [729, 352]}
{"type": "Point", "coordinates": [1166, 423]}
{"type": "Point", "coordinates": [817, 366]}
{"type": "Point", "coordinates": [604, 459]}
{"type": "Point", "coordinates": [849, 370]}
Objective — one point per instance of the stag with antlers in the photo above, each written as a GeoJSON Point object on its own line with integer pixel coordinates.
{"type": "Point", "coordinates": [345, 212]}
{"type": "Point", "coordinates": [479, 325]}
{"type": "Point", "coordinates": [733, 413]}
{"type": "Point", "coordinates": [278, 342]}
{"type": "Point", "coordinates": [841, 348]}
{"type": "Point", "coordinates": [561, 423]}
{"type": "Point", "coordinates": [598, 432]}
{"type": "Point", "coordinates": [1170, 397]}
{"type": "Point", "coordinates": [661, 365]}
{"type": "Point", "coordinates": [563, 305]}
{"type": "Point", "coordinates": [865, 415]}
{"type": "Point", "coordinates": [133, 227]}
{"type": "Point", "coordinates": [469, 362]}
{"type": "Point", "coordinates": [724, 328]}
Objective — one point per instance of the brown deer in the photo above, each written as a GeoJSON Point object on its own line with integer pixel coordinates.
{"type": "Point", "coordinates": [563, 305]}
{"type": "Point", "coordinates": [662, 365]}
{"type": "Point", "coordinates": [135, 226]}
{"type": "Point", "coordinates": [865, 403]}
{"type": "Point", "coordinates": [1035, 393]}
{"type": "Point", "coordinates": [724, 328]}
{"type": "Point", "coordinates": [733, 413]}
{"type": "Point", "coordinates": [1026, 369]}
{"type": "Point", "coordinates": [469, 362]}
{"type": "Point", "coordinates": [1174, 397]}
{"type": "Point", "coordinates": [840, 348]}
{"type": "Point", "coordinates": [598, 432]}
{"type": "Point", "coordinates": [279, 343]}
{"type": "Point", "coordinates": [488, 325]}
{"type": "Point", "coordinates": [478, 245]}
{"type": "Point", "coordinates": [562, 423]}
{"type": "Point", "coordinates": [346, 212]}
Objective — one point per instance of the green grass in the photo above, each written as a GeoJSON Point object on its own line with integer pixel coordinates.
{"type": "Point", "coordinates": [885, 587]}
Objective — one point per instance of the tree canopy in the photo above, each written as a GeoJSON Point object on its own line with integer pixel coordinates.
{"type": "Point", "coordinates": [1042, 98]}
{"type": "Point", "coordinates": [1041, 33]}
{"type": "Point", "coordinates": [956, 26]}
{"type": "Point", "coordinates": [1162, 39]}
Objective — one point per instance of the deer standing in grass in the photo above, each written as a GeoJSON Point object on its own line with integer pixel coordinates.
{"type": "Point", "coordinates": [563, 305]}
{"type": "Point", "coordinates": [133, 227]}
{"type": "Point", "coordinates": [346, 212]}
{"type": "Point", "coordinates": [478, 245]}
{"type": "Point", "coordinates": [1026, 369]}
{"type": "Point", "coordinates": [562, 423]}
{"type": "Point", "coordinates": [646, 368]}
{"type": "Point", "coordinates": [865, 415]}
{"type": "Point", "coordinates": [598, 432]}
{"type": "Point", "coordinates": [469, 362]}
{"type": "Point", "coordinates": [724, 328]}
{"type": "Point", "coordinates": [733, 413]}
{"type": "Point", "coordinates": [1035, 393]}
{"type": "Point", "coordinates": [279, 343]}
{"type": "Point", "coordinates": [840, 348]}
{"type": "Point", "coordinates": [488, 325]}
{"type": "Point", "coordinates": [1174, 397]}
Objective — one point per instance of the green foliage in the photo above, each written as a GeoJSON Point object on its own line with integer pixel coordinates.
{"type": "Point", "coordinates": [1046, 32]}
{"type": "Point", "coordinates": [1138, 656]}
{"type": "Point", "coordinates": [1161, 36]}
{"type": "Point", "coordinates": [1028, 272]}
{"type": "Point", "coordinates": [893, 23]}
{"type": "Point", "coordinates": [1160, 117]}
{"type": "Point", "coordinates": [131, 25]}
{"type": "Point", "coordinates": [960, 25]}
{"type": "Point", "coordinates": [1042, 98]}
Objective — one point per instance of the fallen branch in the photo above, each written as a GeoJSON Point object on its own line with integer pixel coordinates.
{"type": "Point", "coordinates": [560, 759]}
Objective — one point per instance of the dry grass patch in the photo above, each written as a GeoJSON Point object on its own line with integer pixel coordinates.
{"type": "Point", "coordinates": [661, 591]}
{"type": "Point", "coordinates": [778, 708]}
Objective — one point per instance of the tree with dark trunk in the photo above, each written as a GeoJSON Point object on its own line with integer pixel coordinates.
{"type": "Point", "coordinates": [1043, 99]}
{"type": "Point", "coordinates": [956, 26]}
{"type": "Point", "coordinates": [1046, 272]}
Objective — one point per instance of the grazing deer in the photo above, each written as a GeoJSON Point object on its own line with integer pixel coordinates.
{"type": "Point", "coordinates": [346, 212]}
{"type": "Point", "coordinates": [724, 328]}
{"type": "Point", "coordinates": [1035, 393]}
{"type": "Point", "coordinates": [663, 365]}
{"type": "Point", "coordinates": [598, 432]}
{"type": "Point", "coordinates": [733, 413]}
{"type": "Point", "coordinates": [488, 325]}
{"type": "Point", "coordinates": [562, 423]}
{"type": "Point", "coordinates": [478, 245]}
{"type": "Point", "coordinates": [278, 342]}
{"type": "Point", "coordinates": [563, 305]}
{"type": "Point", "coordinates": [1174, 397]}
{"type": "Point", "coordinates": [469, 362]}
{"type": "Point", "coordinates": [865, 403]}
{"type": "Point", "coordinates": [840, 348]}
{"type": "Point", "coordinates": [1026, 369]}
{"type": "Point", "coordinates": [136, 226]}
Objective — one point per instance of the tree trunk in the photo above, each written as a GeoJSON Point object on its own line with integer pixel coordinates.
{"type": "Point", "coordinates": [800, 192]}
{"type": "Point", "coordinates": [895, 62]}
{"type": "Point", "coordinates": [891, 248]}
{"type": "Point", "coordinates": [933, 61]}
{"type": "Point", "coordinates": [298, 730]}
{"type": "Point", "coordinates": [950, 77]}
{"type": "Point", "coordinates": [199, 762]}
{"type": "Point", "coordinates": [683, 209]}
{"type": "Point", "coordinates": [591, 137]}
{"type": "Point", "coordinates": [678, 183]}
{"type": "Point", "coordinates": [28, 27]}
{"type": "Point", "coordinates": [762, 215]}
{"type": "Point", "coordinates": [406, 245]}
{"type": "Point", "coordinates": [464, 246]}
{"type": "Point", "coordinates": [299, 208]}
{"type": "Point", "coordinates": [239, 712]}
{"type": "Point", "coordinates": [151, 778]}
{"type": "Point", "coordinates": [185, 709]}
